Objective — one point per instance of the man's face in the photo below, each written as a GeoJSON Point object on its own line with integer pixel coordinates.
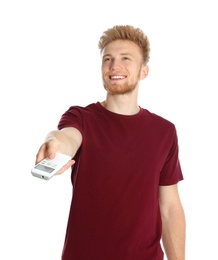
{"type": "Point", "coordinates": [122, 67]}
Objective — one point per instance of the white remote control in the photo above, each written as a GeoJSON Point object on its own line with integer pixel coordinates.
{"type": "Point", "coordinates": [47, 168]}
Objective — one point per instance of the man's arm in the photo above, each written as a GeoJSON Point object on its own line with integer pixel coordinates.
{"type": "Point", "coordinates": [173, 222]}
{"type": "Point", "coordinates": [67, 141]}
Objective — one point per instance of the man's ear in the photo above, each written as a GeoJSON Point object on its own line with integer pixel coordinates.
{"type": "Point", "coordinates": [144, 71]}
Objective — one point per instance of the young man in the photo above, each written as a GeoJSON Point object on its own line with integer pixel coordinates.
{"type": "Point", "coordinates": [125, 166]}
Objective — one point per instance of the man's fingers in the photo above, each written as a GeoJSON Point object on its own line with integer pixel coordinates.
{"type": "Point", "coordinates": [66, 167]}
{"type": "Point", "coordinates": [47, 149]}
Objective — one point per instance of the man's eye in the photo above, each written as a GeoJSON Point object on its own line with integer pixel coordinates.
{"type": "Point", "coordinates": [126, 58]}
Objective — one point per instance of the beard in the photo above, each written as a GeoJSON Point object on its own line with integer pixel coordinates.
{"type": "Point", "coordinates": [115, 89]}
{"type": "Point", "coordinates": [121, 88]}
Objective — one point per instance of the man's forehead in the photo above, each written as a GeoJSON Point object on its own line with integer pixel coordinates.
{"type": "Point", "coordinates": [121, 47]}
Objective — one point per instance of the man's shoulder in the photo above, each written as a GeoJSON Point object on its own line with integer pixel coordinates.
{"type": "Point", "coordinates": [86, 108]}
{"type": "Point", "coordinates": [158, 119]}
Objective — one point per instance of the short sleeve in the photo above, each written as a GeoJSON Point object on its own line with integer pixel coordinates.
{"type": "Point", "coordinates": [72, 118]}
{"type": "Point", "coordinates": [171, 172]}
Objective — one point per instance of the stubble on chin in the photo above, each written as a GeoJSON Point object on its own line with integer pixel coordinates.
{"type": "Point", "coordinates": [115, 89]}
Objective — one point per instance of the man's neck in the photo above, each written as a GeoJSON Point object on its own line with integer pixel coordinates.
{"type": "Point", "coordinates": [121, 104]}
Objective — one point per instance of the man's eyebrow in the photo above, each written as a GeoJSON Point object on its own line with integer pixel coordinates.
{"type": "Point", "coordinates": [107, 55]}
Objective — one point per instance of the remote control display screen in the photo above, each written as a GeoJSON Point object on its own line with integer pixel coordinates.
{"type": "Point", "coordinates": [44, 168]}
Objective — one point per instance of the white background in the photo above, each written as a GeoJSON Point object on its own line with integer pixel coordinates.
{"type": "Point", "coordinates": [49, 60]}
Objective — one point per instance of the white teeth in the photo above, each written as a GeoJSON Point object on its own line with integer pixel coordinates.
{"type": "Point", "coordinates": [117, 77]}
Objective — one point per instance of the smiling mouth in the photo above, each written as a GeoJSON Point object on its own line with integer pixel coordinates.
{"type": "Point", "coordinates": [117, 77]}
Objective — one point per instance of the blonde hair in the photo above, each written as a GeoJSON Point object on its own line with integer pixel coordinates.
{"type": "Point", "coordinates": [127, 32]}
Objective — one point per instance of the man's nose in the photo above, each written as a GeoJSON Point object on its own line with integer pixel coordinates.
{"type": "Point", "coordinates": [115, 65]}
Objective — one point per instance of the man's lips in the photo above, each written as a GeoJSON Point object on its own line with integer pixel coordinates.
{"type": "Point", "coordinates": [117, 77]}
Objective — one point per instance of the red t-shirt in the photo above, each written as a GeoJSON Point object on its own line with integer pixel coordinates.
{"type": "Point", "coordinates": [114, 213]}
